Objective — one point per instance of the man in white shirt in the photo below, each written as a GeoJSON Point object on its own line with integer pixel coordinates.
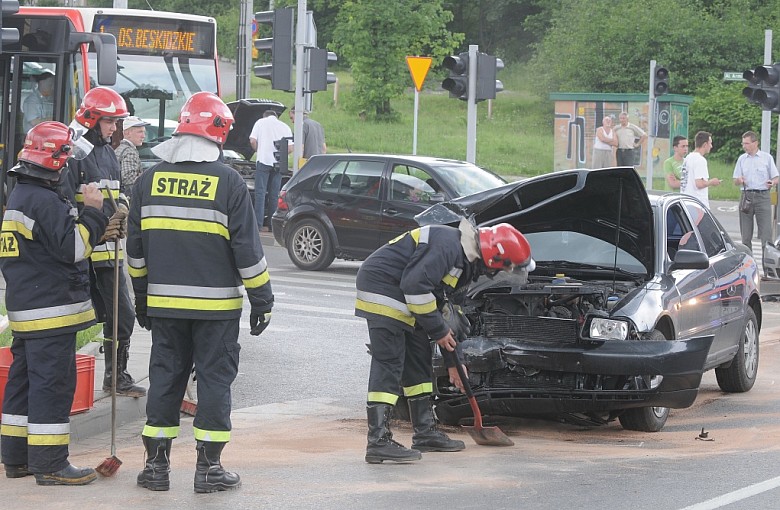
{"type": "Point", "coordinates": [268, 180]}
{"type": "Point", "coordinates": [695, 172]}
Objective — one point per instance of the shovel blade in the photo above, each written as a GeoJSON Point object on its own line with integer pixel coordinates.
{"type": "Point", "coordinates": [488, 436]}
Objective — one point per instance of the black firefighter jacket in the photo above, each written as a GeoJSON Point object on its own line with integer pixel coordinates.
{"type": "Point", "coordinates": [43, 255]}
{"type": "Point", "coordinates": [100, 167]}
{"type": "Point", "coordinates": [193, 243]}
{"type": "Point", "coordinates": [404, 282]}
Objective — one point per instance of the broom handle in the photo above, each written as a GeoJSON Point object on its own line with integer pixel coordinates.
{"type": "Point", "coordinates": [115, 342]}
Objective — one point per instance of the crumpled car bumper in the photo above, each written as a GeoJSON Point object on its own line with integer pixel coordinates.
{"type": "Point", "coordinates": [514, 379]}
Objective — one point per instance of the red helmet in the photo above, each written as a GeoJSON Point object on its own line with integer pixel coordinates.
{"type": "Point", "coordinates": [205, 115]}
{"type": "Point", "coordinates": [47, 146]}
{"type": "Point", "coordinates": [503, 246]}
{"type": "Point", "coordinates": [98, 103]}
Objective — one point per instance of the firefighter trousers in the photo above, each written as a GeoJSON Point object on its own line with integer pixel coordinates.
{"type": "Point", "coordinates": [38, 397]}
{"type": "Point", "coordinates": [213, 348]}
{"type": "Point", "coordinates": [104, 281]}
{"type": "Point", "coordinates": [400, 362]}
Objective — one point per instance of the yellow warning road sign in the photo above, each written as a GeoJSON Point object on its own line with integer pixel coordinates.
{"type": "Point", "coordinates": [418, 67]}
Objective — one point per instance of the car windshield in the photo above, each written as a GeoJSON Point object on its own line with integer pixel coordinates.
{"type": "Point", "coordinates": [467, 179]}
{"type": "Point", "coordinates": [575, 248]}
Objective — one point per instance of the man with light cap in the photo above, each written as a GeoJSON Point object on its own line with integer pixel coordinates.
{"type": "Point", "coordinates": [192, 245]}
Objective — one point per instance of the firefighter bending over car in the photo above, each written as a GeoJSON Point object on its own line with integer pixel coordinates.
{"type": "Point", "coordinates": [401, 290]}
{"type": "Point", "coordinates": [192, 244]}
{"type": "Point", "coordinates": [44, 249]}
{"type": "Point", "coordinates": [96, 119]}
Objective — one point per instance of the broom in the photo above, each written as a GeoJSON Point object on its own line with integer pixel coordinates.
{"type": "Point", "coordinates": [110, 466]}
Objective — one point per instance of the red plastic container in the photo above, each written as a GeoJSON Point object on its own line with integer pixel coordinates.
{"type": "Point", "coordinates": [84, 398]}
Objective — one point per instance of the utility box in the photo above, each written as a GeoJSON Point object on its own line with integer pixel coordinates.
{"type": "Point", "coordinates": [578, 115]}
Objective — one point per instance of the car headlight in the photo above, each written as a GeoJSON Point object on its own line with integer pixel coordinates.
{"type": "Point", "coordinates": [608, 329]}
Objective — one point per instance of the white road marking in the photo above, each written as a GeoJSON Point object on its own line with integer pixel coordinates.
{"type": "Point", "coordinates": [737, 495]}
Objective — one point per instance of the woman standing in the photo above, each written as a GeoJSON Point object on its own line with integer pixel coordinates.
{"type": "Point", "coordinates": [603, 145]}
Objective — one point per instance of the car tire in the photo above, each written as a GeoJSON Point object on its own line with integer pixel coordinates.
{"type": "Point", "coordinates": [740, 375]}
{"type": "Point", "coordinates": [309, 245]}
{"type": "Point", "coordinates": [646, 419]}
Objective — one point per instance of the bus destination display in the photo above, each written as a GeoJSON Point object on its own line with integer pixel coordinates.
{"type": "Point", "coordinates": [145, 36]}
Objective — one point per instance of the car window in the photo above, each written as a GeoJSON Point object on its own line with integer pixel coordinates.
{"type": "Point", "coordinates": [412, 184]}
{"type": "Point", "coordinates": [708, 230]}
{"type": "Point", "coordinates": [679, 234]}
{"type": "Point", "coordinates": [577, 248]}
{"type": "Point", "coordinates": [465, 178]}
{"type": "Point", "coordinates": [361, 178]}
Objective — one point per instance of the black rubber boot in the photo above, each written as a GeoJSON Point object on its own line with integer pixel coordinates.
{"type": "Point", "coordinates": [69, 475]}
{"type": "Point", "coordinates": [16, 471]}
{"type": "Point", "coordinates": [381, 445]}
{"type": "Point", "coordinates": [125, 384]}
{"type": "Point", "coordinates": [210, 476]}
{"type": "Point", "coordinates": [155, 475]}
{"type": "Point", "coordinates": [426, 438]}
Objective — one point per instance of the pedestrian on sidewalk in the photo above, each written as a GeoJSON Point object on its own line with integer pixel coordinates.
{"type": "Point", "coordinates": [756, 173]}
{"type": "Point", "coordinates": [192, 234]}
{"type": "Point", "coordinates": [98, 114]}
{"type": "Point", "coordinates": [401, 289]}
{"type": "Point", "coordinates": [268, 179]}
{"type": "Point", "coordinates": [695, 177]}
{"type": "Point", "coordinates": [133, 133]}
{"type": "Point", "coordinates": [43, 256]}
{"type": "Point", "coordinates": [313, 137]}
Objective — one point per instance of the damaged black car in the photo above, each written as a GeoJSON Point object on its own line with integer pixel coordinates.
{"type": "Point", "coordinates": [632, 298]}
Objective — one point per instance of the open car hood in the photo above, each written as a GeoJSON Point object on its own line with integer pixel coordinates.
{"type": "Point", "coordinates": [591, 202]}
{"type": "Point", "coordinates": [246, 112]}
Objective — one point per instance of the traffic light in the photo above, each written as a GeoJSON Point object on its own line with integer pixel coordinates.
{"type": "Point", "coordinates": [279, 71]}
{"type": "Point", "coordinates": [281, 156]}
{"type": "Point", "coordinates": [763, 87]}
{"type": "Point", "coordinates": [458, 82]}
{"type": "Point", "coordinates": [8, 35]}
{"type": "Point", "coordinates": [487, 84]}
{"type": "Point", "coordinates": [660, 81]}
{"type": "Point", "coordinates": [317, 66]}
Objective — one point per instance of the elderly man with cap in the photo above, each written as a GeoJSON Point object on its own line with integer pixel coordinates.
{"type": "Point", "coordinates": [133, 132]}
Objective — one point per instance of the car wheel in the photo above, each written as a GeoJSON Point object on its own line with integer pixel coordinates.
{"type": "Point", "coordinates": [646, 419]}
{"type": "Point", "coordinates": [309, 246]}
{"type": "Point", "coordinates": [740, 375]}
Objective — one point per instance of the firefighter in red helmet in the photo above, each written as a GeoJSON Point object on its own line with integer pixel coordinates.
{"type": "Point", "coordinates": [401, 291]}
{"type": "Point", "coordinates": [96, 119]}
{"type": "Point", "coordinates": [193, 304]}
{"type": "Point", "coordinates": [44, 249]}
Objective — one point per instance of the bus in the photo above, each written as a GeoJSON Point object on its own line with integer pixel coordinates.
{"type": "Point", "coordinates": [155, 60]}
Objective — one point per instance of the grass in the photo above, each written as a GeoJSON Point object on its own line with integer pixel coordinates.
{"type": "Point", "coordinates": [517, 140]}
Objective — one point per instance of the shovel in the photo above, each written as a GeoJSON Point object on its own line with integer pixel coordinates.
{"type": "Point", "coordinates": [486, 436]}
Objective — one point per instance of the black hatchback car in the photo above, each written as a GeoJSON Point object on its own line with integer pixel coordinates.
{"type": "Point", "coordinates": [348, 205]}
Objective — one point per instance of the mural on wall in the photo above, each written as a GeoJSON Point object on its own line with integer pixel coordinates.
{"type": "Point", "coordinates": [576, 122]}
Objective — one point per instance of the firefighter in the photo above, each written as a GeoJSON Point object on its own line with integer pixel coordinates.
{"type": "Point", "coordinates": [97, 119]}
{"type": "Point", "coordinates": [44, 249]}
{"type": "Point", "coordinates": [192, 245]}
{"type": "Point", "coordinates": [401, 290]}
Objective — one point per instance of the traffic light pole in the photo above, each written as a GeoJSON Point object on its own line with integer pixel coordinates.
{"type": "Point", "coordinates": [300, 44]}
{"type": "Point", "coordinates": [471, 111]}
{"type": "Point", "coordinates": [650, 126]}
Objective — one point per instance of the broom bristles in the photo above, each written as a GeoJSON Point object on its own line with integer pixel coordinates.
{"type": "Point", "coordinates": [109, 467]}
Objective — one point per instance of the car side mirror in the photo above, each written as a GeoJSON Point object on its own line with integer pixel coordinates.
{"type": "Point", "coordinates": [690, 259]}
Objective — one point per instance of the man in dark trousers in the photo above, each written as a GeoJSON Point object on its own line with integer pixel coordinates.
{"type": "Point", "coordinates": [97, 117]}
{"type": "Point", "coordinates": [44, 249]}
{"type": "Point", "coordinates": [401, 290]}
{"type": "Point", "coordinates": [193, 248]}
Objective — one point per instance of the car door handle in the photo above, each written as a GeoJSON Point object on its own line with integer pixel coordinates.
{"type": "Point", "coordinates": [328, 202]}
{"type": "Point", "coordinates": [391, 211]}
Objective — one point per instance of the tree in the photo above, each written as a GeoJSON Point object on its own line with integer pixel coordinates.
{"type": "Point", "coordinates": [375, 36]}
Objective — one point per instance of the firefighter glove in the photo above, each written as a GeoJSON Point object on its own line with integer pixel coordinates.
{"type": "Point", "coordinates": [140, 313]}
{"type": "Point", "coordinates": [117, 225]}
{"type": "Point", "coordinates": [258, 322]}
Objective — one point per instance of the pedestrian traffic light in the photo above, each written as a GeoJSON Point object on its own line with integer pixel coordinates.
{"type": "Point", "coordinates": [318, 77]}
{"type": "Point", "coordinates": [8, 35]}
{"type": "Point", "coordinates": [279, 71]}
{"type": "Point", "coordinates": [487, 84]}
{"type": "Point", "coordinates": [458, 82]}
{"type": "Point", "coordinates": [660, 81]}
{"type": "Point", "coordinates": [280, 155]}
{"type": "Point", "coordinates": [763, 87]}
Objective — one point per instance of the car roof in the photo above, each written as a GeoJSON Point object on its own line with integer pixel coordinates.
{"type": "Point", "coordinates": [428, 160]}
